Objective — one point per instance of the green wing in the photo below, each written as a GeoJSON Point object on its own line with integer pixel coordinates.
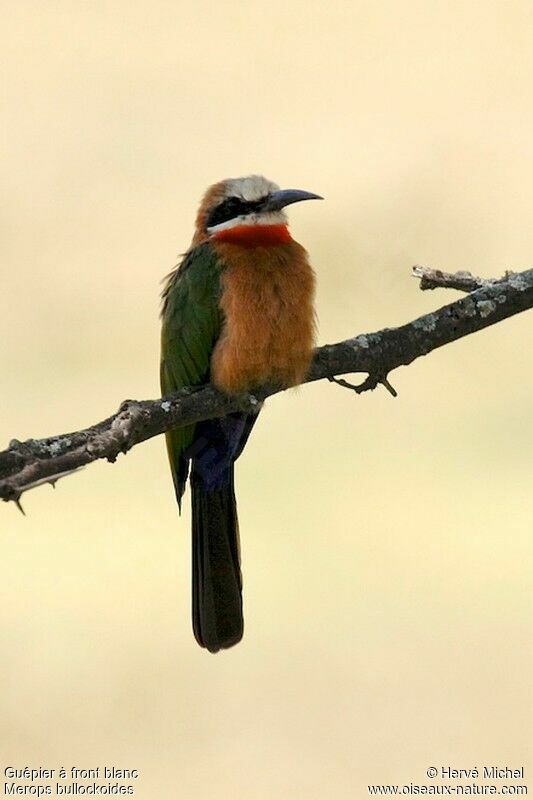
{"type": "Point", "coordinates": [191, 325]}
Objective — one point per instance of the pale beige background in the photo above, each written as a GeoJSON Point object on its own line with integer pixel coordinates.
{"type": "Point", "coordinates": [388, 544]}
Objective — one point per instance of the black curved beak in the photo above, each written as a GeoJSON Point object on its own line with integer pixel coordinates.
{"type": "Point", "coordinates": [284, 197]}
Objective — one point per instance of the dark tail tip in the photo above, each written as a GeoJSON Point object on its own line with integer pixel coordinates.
{"type": "Point", "coordinates": [216, 577]}
{"type": "Point", "coordinates": [214, 645]}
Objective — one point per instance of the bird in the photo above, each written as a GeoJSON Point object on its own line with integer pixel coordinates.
{"type": "Point", "coordinates": [237, 312]}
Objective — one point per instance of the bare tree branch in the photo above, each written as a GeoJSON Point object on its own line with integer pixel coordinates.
{"type": "Point", "coordinates": [25, 465]}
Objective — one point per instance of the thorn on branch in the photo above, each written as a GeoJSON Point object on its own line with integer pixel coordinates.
{"type": "Point", "coordinates": [388, 386]}
{"type": "Point", "coordinates": [16, 491]}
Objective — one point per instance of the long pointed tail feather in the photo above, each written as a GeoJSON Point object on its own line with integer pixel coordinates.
{"type": "Point", "coordinates": [216, 574]}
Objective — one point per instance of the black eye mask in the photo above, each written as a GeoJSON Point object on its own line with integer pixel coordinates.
{"type": "Point", "coordinates": [233, 207]}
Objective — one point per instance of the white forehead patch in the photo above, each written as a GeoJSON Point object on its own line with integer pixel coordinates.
{"type": "Point", "coordinates": [251, 188]}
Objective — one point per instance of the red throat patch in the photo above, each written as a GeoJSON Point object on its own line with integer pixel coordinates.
{"type": "Point", "coordinates": [255, 235]}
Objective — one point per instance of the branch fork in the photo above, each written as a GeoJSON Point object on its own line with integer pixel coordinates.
{"type": "Point", "coordinates": [370, 383]}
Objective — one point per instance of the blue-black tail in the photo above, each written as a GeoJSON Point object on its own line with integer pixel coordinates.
{"type": "Point", "coordinates": [216, 573]}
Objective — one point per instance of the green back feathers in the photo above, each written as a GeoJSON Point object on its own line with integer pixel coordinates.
{"type": "Point", "coordinates": [191, 325]}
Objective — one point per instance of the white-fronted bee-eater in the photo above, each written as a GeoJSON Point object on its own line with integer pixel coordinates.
{"type": "Point", "coordinates": [238, 312]}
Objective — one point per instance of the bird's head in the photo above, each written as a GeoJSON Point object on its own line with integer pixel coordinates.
{"type": "Point", "coordinates": [246, 211]}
